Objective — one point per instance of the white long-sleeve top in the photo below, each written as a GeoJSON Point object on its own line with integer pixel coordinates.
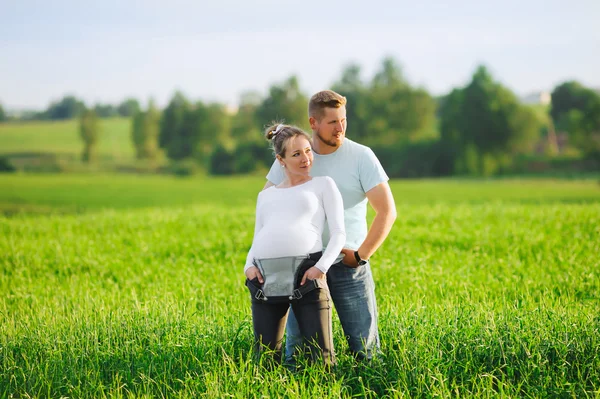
{"type": "Point", "coordinates": [290, 222]}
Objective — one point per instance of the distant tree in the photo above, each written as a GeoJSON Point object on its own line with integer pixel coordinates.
{"type": "Point", "coordinates": [145, 130]}
{"type": "Point", "coordinates": [251, 151]}
{"type": "Point", "coordinates": [244, 123]}
{"type": "Point", "coordinates": [129, 107]}
{"type": "Point", "coordinates": [105, 110]}
{"type": "Point", "coordinates": [285, 102]}
{"type": "Point", "coordinates": [137, 133]}
{"type": "Point", "coordinates": [251, 156]}
{"type": "Point", "coordinates": [186, 137]}
{"type": "Point", "coordinates": [2, 114]}
{"type": "Point", "coordinates": [214, 129]}
{"type": "Point", "coordinates": [203, 127]}
{"type": "Point", "coordinates": [484, 123]}
{"type": "Point", "coordinates": [396, 111]}
{"type": "Point", "coordinates": [67, 108]}
{"type": "Point", "coordinates": [494, 118]}
{"type": "Point", "coordinates": [571, 95]}
{"type": "Point", "coordinates": [89, 132]}
{"type": "Point", "coordinates": [221, 161]}
{"type": "Point", "coordinates": [172, 137]}
{"type": "Point", "coordinates": [356, 92]}
{"type": "Point", "coordinates": [576, 110]}
{"type": "Point", "coordinates": [451, 120]}
{"type": "Point", "coordinates": [390, 74]}
{"type": "Point", "coordinates": [192, 131]}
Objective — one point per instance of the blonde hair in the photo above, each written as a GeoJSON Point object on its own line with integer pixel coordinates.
{"type": "Point", "coordinates": [279, 134]}
{"type": "Point", "coordinates": [324, 99]}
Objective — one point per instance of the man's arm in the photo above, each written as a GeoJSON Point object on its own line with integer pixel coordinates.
{"type": "Point", "coordinates": [381, 199]}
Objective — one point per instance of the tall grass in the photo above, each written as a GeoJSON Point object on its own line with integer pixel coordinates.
{"type": "Point", "coordinates": [483, 289]}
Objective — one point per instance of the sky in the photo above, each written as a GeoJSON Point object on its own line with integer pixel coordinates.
{"type": "Point", "coordinates": [104, 51]}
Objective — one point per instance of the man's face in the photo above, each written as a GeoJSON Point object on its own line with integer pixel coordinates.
{"type": "Point", "coordinates": [331, 128]}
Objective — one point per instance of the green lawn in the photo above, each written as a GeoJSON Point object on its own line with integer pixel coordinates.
{"type": "Point", "coordinates": [47, 193]}
{"type": "Point", "coordinates": [127, 286]}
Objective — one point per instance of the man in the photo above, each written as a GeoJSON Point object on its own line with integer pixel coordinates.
{"type": "Point", "coordinates": [360, 179]}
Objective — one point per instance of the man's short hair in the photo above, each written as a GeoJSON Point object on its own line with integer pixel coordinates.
{"type": "Point", "coordinates": [324, 99]}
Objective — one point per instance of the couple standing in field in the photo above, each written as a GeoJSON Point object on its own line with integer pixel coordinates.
{"type": "Point", "coordinates": [303, 208]}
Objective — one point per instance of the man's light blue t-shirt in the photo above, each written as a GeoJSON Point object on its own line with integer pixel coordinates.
{"type": "Point", "coordinates": [355, 170]}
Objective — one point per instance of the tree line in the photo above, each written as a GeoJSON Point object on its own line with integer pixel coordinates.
{"type": "Point", "coordinates": [475, 130]}
{"type": "Point", "coordinates": [70, 107]}
{"type": "Point", "coordinates": [478, 129]}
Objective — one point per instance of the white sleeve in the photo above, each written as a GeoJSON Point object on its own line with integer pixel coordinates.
{"type": "Point", "coordinates": [334, 211]}
{"type": "Point", "coordinates": [257, 228]}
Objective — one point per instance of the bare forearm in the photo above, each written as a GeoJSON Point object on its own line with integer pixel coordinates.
{"type": "Point", "coordinates": [378, 232]}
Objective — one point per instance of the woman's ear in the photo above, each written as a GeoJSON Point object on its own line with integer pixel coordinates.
{"type": "Point", "coordinates": [280, 160]}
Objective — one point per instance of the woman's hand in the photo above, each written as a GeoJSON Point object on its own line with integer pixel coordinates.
{"type": "Point", "coordinates": [313, 273]}
{"type": "Point", "coordinates": [253, 272]}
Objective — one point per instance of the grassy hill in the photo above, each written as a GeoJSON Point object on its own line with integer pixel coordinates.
{"type": "Point", "coordinates": [61, 138]}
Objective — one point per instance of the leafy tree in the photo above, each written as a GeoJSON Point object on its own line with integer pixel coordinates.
{"type": "Point", "coordinates": [451, 123]}
{"type": "Point", "coordinates": [89, 133]}
{"type": "Point", "coordinates": [221, 161]}
{"type": "Point", "coordinates": [357, 95]}
{"type": "Point", "coordinates": [171, 136]}
{"type": "Point", "coordinates": [185, 138]}
{"type": "Point", "coordinates": [6, 165]}
{"type": "Point", "coordinates": [285, 102]}
{"type": "Point", "coordinates": [214, 128]}
{"type": "Point", "coordinates": [244, 123]}
{"type": "Point", "coordinates": [129, 107]}
{"type": "Point", "coordinates": [2, 114]}
{"type": "Point", "coordinates": [145, 129]}
{"type": "Point", "coordinates": [201, 127]}
{"type": "Point", "coordinates": [572, 95]}
{"type": "Point", "coordinates": [105, 110]}
{"type": "Point", "coordinates": [396, 112]}
{"type": "Point", "coordinates": [390, 75]}
{"type": "Point", "coordinates": [67, 108]}
{"type": "Point", "coordinates": [251, 156]}
{"type": "Point", "coordinates": [576, 110]}
{"type": "Point", "coordinates": [387, 110]}
{"type": "Point", "coordinates": [151, 131]}
{"type": "Point", "coordinates": [484, 124]}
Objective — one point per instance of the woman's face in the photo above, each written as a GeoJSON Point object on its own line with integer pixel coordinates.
{"type": "Point", "coordinates": [298, 156]}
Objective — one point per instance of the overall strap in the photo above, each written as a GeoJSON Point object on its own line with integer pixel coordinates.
{"type": "Point", "coordinates": [308, 286]}
{"type": "Point", "coordinates": [255, 291]}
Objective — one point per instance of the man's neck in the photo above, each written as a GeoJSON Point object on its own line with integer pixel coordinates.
{"type": "Point", "coordinates": [321, 148]}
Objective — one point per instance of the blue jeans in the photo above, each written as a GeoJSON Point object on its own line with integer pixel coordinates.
{"type": "Point", "coordinates": [353, 294]}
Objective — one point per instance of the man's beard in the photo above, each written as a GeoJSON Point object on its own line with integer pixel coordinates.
{"type": "Point", "coordinates": [331, 143]}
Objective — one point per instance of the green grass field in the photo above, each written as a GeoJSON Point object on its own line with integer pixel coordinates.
{"type": "Point", "coordinates": [62, 138]}
{"type": "Point", "coordinates": [126, 286]}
